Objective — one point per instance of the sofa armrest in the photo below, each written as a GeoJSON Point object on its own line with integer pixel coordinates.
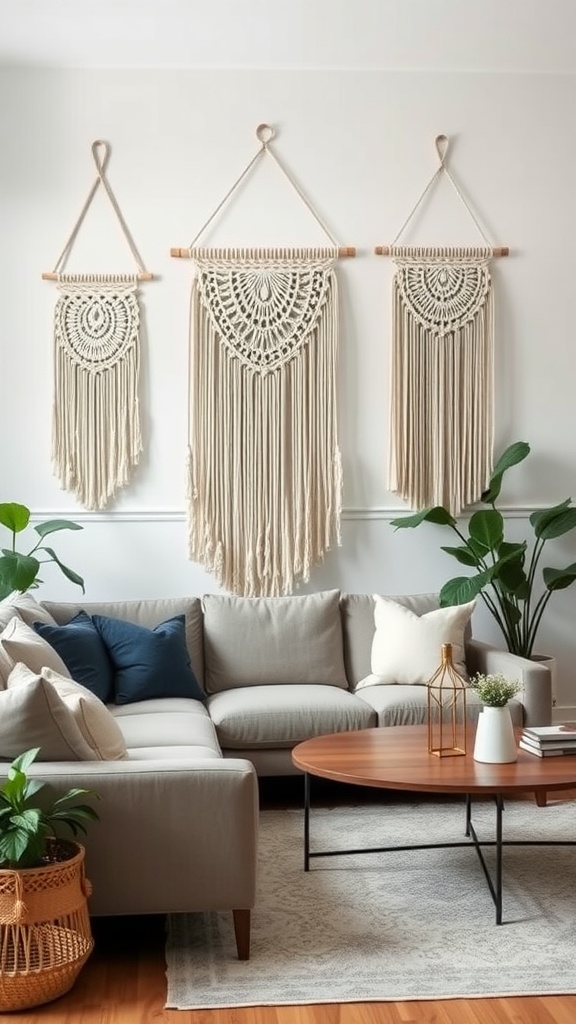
{"type": "Point", "coordinates": [536, 680]}
{"type": "Point", "coordinates": [174, 836]}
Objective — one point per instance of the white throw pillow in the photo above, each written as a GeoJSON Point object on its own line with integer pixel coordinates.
{"type": "Point", "coordinates": [26, 607]}
{"type": "Point", "coordinates": [407, 648]}
{"type": "Point", "coordinates": [98, 727]}
{"type": "Point", "coordinates": [33, 715]}
{"type": "Point", "coordinates": [22, 643]}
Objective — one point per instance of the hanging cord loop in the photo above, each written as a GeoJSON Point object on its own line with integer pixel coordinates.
{"type": "Point", "coordinates": [101, 156]}
{"type": "Point", "coordinates": [265, 134]}
{"type": "Point", "coordinates": [442, 144]}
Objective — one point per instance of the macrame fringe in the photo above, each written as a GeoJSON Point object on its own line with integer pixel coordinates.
{"type": "Point", "coordinates": [442, 404]}
{"type": "Point", "coordinates": [264, 463]}
{"type": "Point", "coordinates": [96, 436]}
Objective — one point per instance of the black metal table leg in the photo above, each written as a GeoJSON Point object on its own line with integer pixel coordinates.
{"type": "Point", "coordinates": [306, 821]}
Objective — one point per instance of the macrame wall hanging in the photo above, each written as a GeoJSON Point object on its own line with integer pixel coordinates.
{"type": "Point", "coordinates": [96, 438]}
{"type": "Point", "coordinates": [264, 461]}
{"type": "Point", "coordinates": [442, 367]}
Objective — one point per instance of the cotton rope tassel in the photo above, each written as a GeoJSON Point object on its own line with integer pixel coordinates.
{"type": "Point", "coordinates": [96, 439]}
{"type": "Point", "coordinates": [442, 402]}
{"type": "Point", "coordinates": [264, 461]}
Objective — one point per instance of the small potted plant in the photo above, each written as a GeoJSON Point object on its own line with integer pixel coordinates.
{"type": "Point", "coordinates": [45, 935]}
{"type": "Point", "coordinates": [495, 741]}
{"type": "Point", "coordinates": [495, 690]}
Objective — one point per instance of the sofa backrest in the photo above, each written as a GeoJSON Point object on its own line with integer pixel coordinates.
{"type": "Point", "coordinates": [147, 613]}
{"type": "Point", "coordinates": [250, 641]}
{"type": "Point", "coordinates": [357, 611]}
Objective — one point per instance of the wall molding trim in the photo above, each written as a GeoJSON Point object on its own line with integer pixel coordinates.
{"type": "Point", "coordinates": [351, 513]}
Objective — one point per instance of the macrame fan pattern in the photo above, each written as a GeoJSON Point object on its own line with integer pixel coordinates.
{"type": "Point", "coordinates": [264, 461]}
{"type": "Point", "coordinates": [96, 438]}
{"type": "Point", "coordinates": [441, 426]}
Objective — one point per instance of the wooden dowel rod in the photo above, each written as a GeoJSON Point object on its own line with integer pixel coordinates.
{"type": "Point", "coordinates": [343, 251]}
{"type": "Point", "coordinates": [145, 275]}
{"type": "Point", "coordinates": [386, 250]}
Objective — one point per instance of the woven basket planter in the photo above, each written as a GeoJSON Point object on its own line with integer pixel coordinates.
{"type": "Point", "coordinates": [45, 935]}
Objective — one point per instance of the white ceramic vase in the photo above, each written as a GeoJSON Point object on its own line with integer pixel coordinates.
{"type": "Point", "coordinates": [495, 742]}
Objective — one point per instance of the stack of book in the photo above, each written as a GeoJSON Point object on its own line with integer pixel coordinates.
{"type": "Point", "coordinates": [549, 740]}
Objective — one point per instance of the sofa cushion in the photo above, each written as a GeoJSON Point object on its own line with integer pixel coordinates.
{"type": "Point", "coordinates": [283, 715]}
{"type": "Point", "coordinates": [408, 705]}
{"type": "Point", "coordinates": [407, 648]}
{"type": "Point", "coordinates": [253, 641]}
{"type": "Point", "coordinates": [167, 723]}
{"type": "Point", "coordinates": [22, 643]}
{"type": "Point", "coordinates": [80, 646]}
{"type": "Point", "coordinates": [32, 714]}
{"type": "Point", "coordinates": [147, 613]}
{"type": "Point", "coordinates": [25, 606]}
{"type": "Point", "coordinates": [148, 663]}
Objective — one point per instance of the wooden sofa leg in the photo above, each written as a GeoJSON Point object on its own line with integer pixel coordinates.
{"type": "Point", "coordinates": [541, 797]}
{"type": "Point", "coordinates": [242, 933]}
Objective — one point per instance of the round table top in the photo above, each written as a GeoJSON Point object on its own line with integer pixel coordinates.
{"type": "Point", "coordinates": [397, 757]}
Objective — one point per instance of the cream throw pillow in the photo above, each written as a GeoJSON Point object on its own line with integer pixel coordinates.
{"type": "Point", "coordinates": [33, 715]}
{"type": "Point", "coordinates": [98, 727]}
{"type": "Point", "coordinates": [22, 643]}
{"type": "Point", "coordinates": [26, 607]}
{"type": "Point", "coordinates": [407, 648]}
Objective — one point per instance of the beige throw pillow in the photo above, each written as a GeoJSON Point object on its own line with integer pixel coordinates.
{"type": "Point", "coordinates": [22, 643]}
{"type": "Point", "coordinates": [33, 715]}
{"type": "Point", "coordinates": [26, 607]}
{"type": "Point", "coordinates": [99, 728]}
{"type": "Point", "coordinates": [407, 648]}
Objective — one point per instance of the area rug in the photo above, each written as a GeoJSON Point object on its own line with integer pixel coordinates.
{"type": "Point", "coordinates": [390, 926]}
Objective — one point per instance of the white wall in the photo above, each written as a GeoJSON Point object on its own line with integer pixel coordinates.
{"type": "Point", "coordinates": [361, 145]}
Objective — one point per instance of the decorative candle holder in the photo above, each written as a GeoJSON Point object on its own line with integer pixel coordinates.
{"type": "Point", "coordinates": [446, 708]}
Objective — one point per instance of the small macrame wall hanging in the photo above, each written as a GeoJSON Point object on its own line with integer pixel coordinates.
{"type": "Point", "coordinates": [442, 366]}
{"type": "Point", "coordinates": [96, 436]}
{"type": "Point", "coordinates": [264, 467]}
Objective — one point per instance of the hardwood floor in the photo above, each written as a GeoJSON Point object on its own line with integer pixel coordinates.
{"type": "Point", "coordinates": [124, 980]}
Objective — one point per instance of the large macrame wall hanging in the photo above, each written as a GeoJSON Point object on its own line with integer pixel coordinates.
{"type": "Point", "coordinates": [442, 367]}
{"type": "Point", "coordinates": [264, 460]}
{"type": "Point", "coordinates": [96, 436]}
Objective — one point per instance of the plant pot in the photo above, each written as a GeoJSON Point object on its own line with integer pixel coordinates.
{"type": "Point", "coordinates": [495, 741]}
{"type": "Point", "coordinates": [45, 935]}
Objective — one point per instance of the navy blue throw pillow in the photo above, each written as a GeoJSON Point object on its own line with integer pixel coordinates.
{"type": "Point", "coordinates": [81, 648]}
{"type": "Point", "coordinates": [148, 663]}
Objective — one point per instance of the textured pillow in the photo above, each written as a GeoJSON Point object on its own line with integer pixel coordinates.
{"type": "Point", "coordinates": [148, 663]}
{"type": "Point", "coordinates": [80, 646]}
{"type": "Point", "coordinates": [22, 643]}
{"type": "Point", "coordinates": [27, 607]}
{"type": "Point", "coordinates": [407, 648]}
{"type": "Point", "coordinates": [33, 715]}
{"type": "Point", "coordinates": [98, 727]}
{"type": "Point", "coordinates": [250, 641]}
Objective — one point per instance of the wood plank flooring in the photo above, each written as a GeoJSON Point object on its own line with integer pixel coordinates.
{"type": "Point", "coordinates": [124, 980]}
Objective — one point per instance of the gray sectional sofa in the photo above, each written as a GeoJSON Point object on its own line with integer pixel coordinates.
{"type": "Point", "coordinates": [179, 814]}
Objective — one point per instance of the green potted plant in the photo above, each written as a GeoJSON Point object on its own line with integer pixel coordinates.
{"type": "Point", "coordinates": [495, 690]}
{"type": "Point", "coordinates": [495, 742]}
{"type": "Point", "coordinates": [19, 571]}
{"type": "Point", "coordinates": [45, 935]}
{"type": "Point", "coordinates": [505, 576]}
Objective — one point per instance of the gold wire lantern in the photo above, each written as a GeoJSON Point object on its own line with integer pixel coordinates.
{"type": "Point", "coordinates": [446, 709]}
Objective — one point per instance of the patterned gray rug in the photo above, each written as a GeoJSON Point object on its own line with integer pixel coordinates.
{"type": "Point", "coordinates": [389, 926]}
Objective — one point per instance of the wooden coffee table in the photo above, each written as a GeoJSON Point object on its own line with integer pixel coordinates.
{"type": "Point", "coordinates": [397, 757]}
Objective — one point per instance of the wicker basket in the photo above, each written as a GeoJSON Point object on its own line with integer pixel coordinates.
{"type": "Point", "coordinates": [45, 935]}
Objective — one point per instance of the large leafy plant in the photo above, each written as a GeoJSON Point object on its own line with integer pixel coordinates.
{"type": "Point", "coordinates": [19, 571]}
{"type": "Point", "coordinates": [506, 572]}
{"type": "Point", "coordinates": [27, 825]}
